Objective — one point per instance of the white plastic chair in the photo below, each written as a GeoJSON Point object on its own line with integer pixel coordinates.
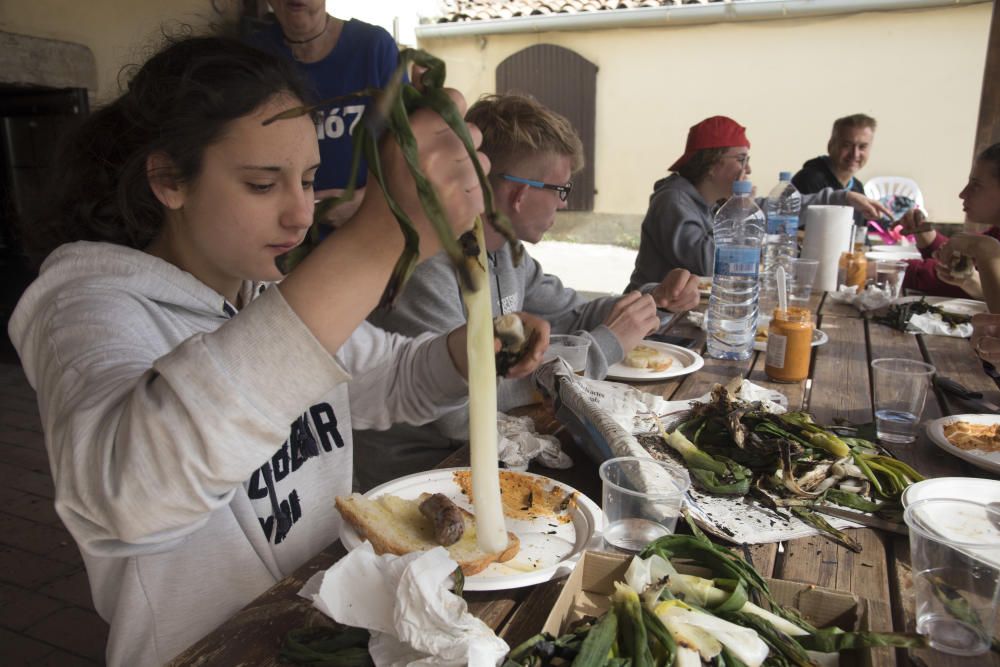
{"type": "Point", "coordinates": [883, 186]}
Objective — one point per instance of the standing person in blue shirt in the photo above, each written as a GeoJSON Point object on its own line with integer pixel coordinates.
{"type": "Point", "coordinates": [337, 57]}
{"type": "Point", "coordinates": [847, 153]}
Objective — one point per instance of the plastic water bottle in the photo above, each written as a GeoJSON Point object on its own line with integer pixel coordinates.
{"type": "Point", "coordinates": [782, 210]}
{"type": "Point", "coordinates": [731, 319]}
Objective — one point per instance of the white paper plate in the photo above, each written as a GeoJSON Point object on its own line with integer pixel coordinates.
{"type": "Point", "coordinates": [685, 361]}
{"type": "Point", "coordinates": [962, 306]}
{"type": "Point", "coordinates": [985, 460]}
{"type": "Point", "coordinates": [896, 249]}
{"type": "Point", "coordinates": [967, 527]}
{"type": "Point", "coordinates": [819, 338]}
{"type": "Point", "coordinates": [875, 255]}
{"type": "Point", "coordinates": [969, 488]}
{"type": "Point", "coordinates": [549, 549]}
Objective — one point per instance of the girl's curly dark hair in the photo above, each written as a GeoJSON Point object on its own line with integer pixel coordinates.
{"type": "Point", "coordinates": [178, 103]}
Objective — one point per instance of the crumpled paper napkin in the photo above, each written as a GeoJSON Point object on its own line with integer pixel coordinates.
{"type": "Point", "coordinates": [930, 323]}
{"type": "Point", "coordinates": [873, 298]}
{"type": "Point", "coordinates": [870, 298]}
{"type": "Point", "coordinates": [519, 443]}
{"type": "Point", "coordinates": [406, 604]}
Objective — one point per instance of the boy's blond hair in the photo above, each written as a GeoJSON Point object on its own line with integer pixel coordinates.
{"type": "Point", "coordinates": [516, 127]}
{"type": "Point", "coordinates": [852, 122]}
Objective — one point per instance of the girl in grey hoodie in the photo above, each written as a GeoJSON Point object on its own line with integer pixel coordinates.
{"type": "Point", "coordinates": [197, 416]}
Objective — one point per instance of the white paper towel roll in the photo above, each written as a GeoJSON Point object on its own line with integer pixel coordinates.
{"type": "Point", "coordinates": [829, 232]}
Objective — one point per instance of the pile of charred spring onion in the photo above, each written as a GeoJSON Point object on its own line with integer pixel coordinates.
{"type": "Point", "coordinates": [898, 315]}
{"type": "Point", "coordinates": [786, 461]}
{"type": "Point", "coordinates": [662, 618]}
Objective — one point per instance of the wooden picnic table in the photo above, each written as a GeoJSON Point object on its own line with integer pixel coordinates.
{"type": "Point", "coordinates": [839, 387]}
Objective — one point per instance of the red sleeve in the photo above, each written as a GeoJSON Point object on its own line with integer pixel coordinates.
{"type": "Point", "coordinates": [939, 240]}
{"type": "Point", "coordinates": [920, 276]}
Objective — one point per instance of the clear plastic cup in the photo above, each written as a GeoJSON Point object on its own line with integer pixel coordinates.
{"type": "Point", "coordinates": [889, 275]}
{"type": "Point", "coordinates": [955, 559]}
{"type": "Point", "coordinates": [801, 273]}
{"type": "Point", "coordinates": [641, 498]}
{"type": "Point", "coordinates": [572, 349]}
{"type": "Point", "coordinates": [900, 391]}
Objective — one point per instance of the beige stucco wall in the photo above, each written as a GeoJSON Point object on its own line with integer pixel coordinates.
{"type": "Point", "coordinates": [118, 32]}
{"type": "Point", "coordinates": [919, 73]}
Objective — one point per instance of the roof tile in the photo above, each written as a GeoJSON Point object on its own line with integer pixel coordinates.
{"type": "Point", "coordinates": [482, 10]}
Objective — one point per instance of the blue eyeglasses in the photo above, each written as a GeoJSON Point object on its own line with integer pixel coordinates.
{"type": "Point", "coordinates": [563, 190]}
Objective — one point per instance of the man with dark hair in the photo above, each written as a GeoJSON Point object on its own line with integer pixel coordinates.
{"type": "Point", "coordinates": [847, 152]}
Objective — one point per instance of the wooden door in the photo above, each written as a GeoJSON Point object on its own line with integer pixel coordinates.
{"type": "Point", "coordinates": [566, 82]}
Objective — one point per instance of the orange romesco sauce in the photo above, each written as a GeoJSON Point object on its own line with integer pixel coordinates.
{"type": "Point", "coordinates": [524, 497]}
{"type": "Point", "coordinates": [789, 345]}
{"type": "Point", "coordinates": [853, 269]}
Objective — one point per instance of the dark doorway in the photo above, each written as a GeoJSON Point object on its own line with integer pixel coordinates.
{"type": "Point", "coordinates": [565, 82]}
{"type": "Point", "coordinates": [33, 122]}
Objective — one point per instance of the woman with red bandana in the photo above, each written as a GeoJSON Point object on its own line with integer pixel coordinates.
{"type": "Point", "coordinates": [677, 230]}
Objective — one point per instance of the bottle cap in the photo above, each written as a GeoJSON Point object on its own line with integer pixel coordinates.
{"type": "Point", "coordinates": [742, 187]}
{"type": "Point", "coordinates": [784, 176]}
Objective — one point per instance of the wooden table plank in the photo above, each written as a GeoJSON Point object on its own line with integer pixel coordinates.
{"type": "Point", "coordinates": [840, 373]}
{"type": "Point", "coordinates": [831, 308]}
{"type": "Point", "coordinates": [715, 371]}
{"type": "Point", "coordinates": [956, 360]}
{"type": "Point", "coordinates": [840, 390]}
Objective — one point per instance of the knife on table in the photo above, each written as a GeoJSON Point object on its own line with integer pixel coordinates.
{"type": "Point", "coordinates": [974, 399]}
{"type": "Point", "coordinates": [864, 519]}
{"type": "Point", "coordinates": [992, 371]}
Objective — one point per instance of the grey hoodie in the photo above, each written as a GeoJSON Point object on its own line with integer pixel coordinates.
{"type": "Point", "coordinates": [677, 229]}
{"type": "Point", "coordinates": [197, 452]}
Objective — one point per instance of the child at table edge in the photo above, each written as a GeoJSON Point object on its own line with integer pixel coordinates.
{"type": "Point", "coordinates": [981, 203]}
{"type": "Point", "coordinates": [197, 417]}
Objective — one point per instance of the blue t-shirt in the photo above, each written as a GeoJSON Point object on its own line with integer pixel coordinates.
{"type": "Point", "coordinates": [364, 57]}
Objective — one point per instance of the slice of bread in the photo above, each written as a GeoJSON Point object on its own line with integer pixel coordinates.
{"type": "Point", "coordinates": [643, 356]}
{"type": "Point", "coordinates": [396, 526]}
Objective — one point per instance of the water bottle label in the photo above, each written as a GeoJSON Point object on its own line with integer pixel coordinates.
{"type": "Point", "coordinates": [783, 224]}
{"type": "Point", "coordinates": [731, 261]}
{"type": "Point", "coordinates": [791, 225]}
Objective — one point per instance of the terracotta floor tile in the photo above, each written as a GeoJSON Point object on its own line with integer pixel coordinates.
{"type": "Point", "coordinates": [30, 570]}
{"type": "Point", "coordinates": [29, 458]}
{"type": "Point", "coordinates": [29, 506]}
{"type": "Point", "coordinates": [51, 541]}
{"type": "Point", "coordinates": [26, 421]}
{"type": "Point", "coordinates": [62, 659]}
{"type": "Point", "coordinates": [73, 630]}
{"type": "Point", "coordinates": [37, 483]}
{"type": "Point", "coordinates": [19, 437]}
{"type": "Point", "coordinates": [18, 399]}
{"type": "Point", "coordinates": [73, 588]}
{"type": "Point", "coordinates": [16, 649]}
{"type": "Point", "coordinates": [20, 608]}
